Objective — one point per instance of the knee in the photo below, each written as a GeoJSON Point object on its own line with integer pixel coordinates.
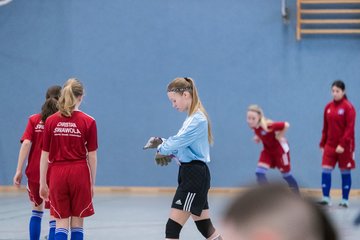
{"type": "Point", "coordinates": [173, 229]}
{"type": "Point", "coordinates": [260, 171]}
{"type": "Point", "coordinates": [345, 171]}
{"type": "Point", "coordinates": [327, 170]}
{"type": "Point", "coordinates": [205, 227]}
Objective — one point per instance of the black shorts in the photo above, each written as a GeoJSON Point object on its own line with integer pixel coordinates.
{"type": "Point", "coordinates": [194, 184]}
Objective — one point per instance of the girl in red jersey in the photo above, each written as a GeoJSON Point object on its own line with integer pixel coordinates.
{"type": "Point", "coordinates": [69, 146]}
{"type": "Point", "coordinates": [31, 143]}
{"type": "Point", "coordinates": [338, 142]}
{"type": "Point", "coordinates": [276, 149]}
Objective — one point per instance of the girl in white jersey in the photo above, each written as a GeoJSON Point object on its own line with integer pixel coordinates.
{"type": "Point", "coordinates": [190, 146]}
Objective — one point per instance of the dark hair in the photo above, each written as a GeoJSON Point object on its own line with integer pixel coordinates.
{"type": "Point", "coordinates": [268, 199]}
{"type": "Point", "coordinates": [50, 105]}
{"type": "Point", "coordinates": [339, 84]}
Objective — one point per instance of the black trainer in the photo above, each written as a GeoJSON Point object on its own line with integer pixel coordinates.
{"type": "Point", "coordinates": [323, 203]}
{"type": "Point", "coordinates": [343, 205]}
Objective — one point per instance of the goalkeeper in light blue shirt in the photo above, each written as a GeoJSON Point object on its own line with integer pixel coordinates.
{"type": "Point", "coordinates": [191, 142]}
{"type": "Point", "coordinates": [190, 147]}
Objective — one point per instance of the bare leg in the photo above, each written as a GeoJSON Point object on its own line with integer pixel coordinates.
{"type": "Point", "coordinates": [205, 214]}
{"type": "Point", "coordinates": [179, 216]}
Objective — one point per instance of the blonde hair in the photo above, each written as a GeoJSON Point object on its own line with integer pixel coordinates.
{"type": "Point", "coordinates": [72, 89]}
{"type": "Point", "coordinates": [181, 85]}
{"type": "Point", "coordinates": [264, 122]}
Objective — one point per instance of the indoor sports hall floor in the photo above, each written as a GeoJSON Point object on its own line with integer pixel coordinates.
{"type": "Point", "coordinates": [138, 216]}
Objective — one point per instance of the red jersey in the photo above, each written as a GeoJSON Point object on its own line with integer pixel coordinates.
{"type": "Point", "coordinates": [69, 138]}
{"type": "Point", "coordinates": [269, 140]}
{"type": "Point", "coordinates": [34, 133]}
{"type": "Point", "coordinates": [339, 125]}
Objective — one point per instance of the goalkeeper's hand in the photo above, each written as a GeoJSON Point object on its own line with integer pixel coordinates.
{"type": "Point", "coordinates": [162, 160]}
{"type": "Point", "coordinates": [153, 142]}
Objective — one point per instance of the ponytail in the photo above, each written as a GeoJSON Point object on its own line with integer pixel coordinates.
{"type": "Point", "coordinates": [181, 85]}
{"type": "Point", "coordinates": [50, 105]}
{"type": "Point", "coordinates": [72, 89]}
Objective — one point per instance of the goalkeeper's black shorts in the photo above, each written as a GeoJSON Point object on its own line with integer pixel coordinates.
{"type": "Point", "coordinates": [194, 184]}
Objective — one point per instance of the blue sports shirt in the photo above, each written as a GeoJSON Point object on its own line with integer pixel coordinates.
{"type": "Point", "coordinates": [191, 142]}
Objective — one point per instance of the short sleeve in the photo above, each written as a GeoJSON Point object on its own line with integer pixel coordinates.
{"type": "Point", "coordinates": [29, 131]}
{"type": "Point", "coordinates": [277, 126]}
{"type": "Point", "coordinates": [91, 141]}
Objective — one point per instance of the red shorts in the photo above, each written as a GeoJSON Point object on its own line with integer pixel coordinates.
{"type": "Point", "coordinates": [70, 190]}
{"type": "Point", "coordinates": [34, 196]}
{"type": "Point", "coordinates": [345, 159]}
{"type": "Point", "coordinates": [279, 160]}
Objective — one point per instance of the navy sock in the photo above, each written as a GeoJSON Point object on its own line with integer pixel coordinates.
{"type": "Point", "coordinates": [292, 182]}
{"type": "Point", "coordinates": [346, 184]}
{"type": "Point", "coordinates": [61, 234]}
{"type": "Point", "coordinates": [77, 233]}
{"type": "Point", "coordinates": [261, 178]}
{"type": "Point", "coordinates": [35, 225]}
{"type": "Point", "coordinates": [261, 175]}
{"type": "Point", "coordinates": [326, 182]}
{"type": "Point", "coordinates": [52, 226]}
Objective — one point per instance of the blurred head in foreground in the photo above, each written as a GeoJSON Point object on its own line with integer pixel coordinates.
{"type": "Point", "coordinates": [272, 212]}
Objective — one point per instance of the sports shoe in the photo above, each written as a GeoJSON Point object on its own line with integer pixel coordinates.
{"type": "Point", "coordinates": [357, 220]}
{"type": "Point", "coordinates": [344, 204]}
{"type": "Point", "coordinates": [324, 202]}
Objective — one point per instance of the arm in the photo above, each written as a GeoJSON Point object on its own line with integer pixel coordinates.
{"type": "Point", "coordinates": [92, 146]}
{"type": "Point", "coordinates": [349, 128]}
{"type": "Point", "coordinates": [280, 128]}
{"type": "Point", "coordinates": [256, 139]}
{"type": "Point", "coordinates": [324, 131]}
{"type": "Point", "coordinates": [44, 190]}
{"type": "Point", "coordinates": [281, 133]}
{"type": "Point", "coordinates": [93, 166]}
{"type": "Point", "coordinates": [184, 138]}
{"type": "Point", "coordinates": [23, 153]}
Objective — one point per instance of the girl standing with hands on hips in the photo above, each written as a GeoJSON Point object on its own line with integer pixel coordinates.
{"type": "Point", "coordinates": [338, 142]}
{"type": "Point", "coordinates": [69, 146]}
{"type": "Point", "coordinates": [190, 147]}
{"type": "Point", "coordinates": [276, 152]}
{"type": "Point", "coordinates": [31, 143]}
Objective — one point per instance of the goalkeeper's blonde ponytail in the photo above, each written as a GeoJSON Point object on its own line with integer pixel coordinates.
{"type": "Point", "coordinates": [181, 85]}
{"type": "Point", "coordinates": [263, 122]}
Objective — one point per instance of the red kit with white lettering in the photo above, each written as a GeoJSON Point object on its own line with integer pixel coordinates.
{"type": "Point", "coordinates": [68, 140]}
{"type": "Point", "coordinates": [34, 133]}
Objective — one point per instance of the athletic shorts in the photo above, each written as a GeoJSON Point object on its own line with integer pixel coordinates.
{"type": "Point", "coordinates": [345, 160]}
{"type": "Point", "coordinates": [70, 190]}
{"type": "Point", "coordinates": [33, 189]}
{"type": "Point", "coordinates": [279, 160]}
{"type": "Point", "coordinates": [194, 184]}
